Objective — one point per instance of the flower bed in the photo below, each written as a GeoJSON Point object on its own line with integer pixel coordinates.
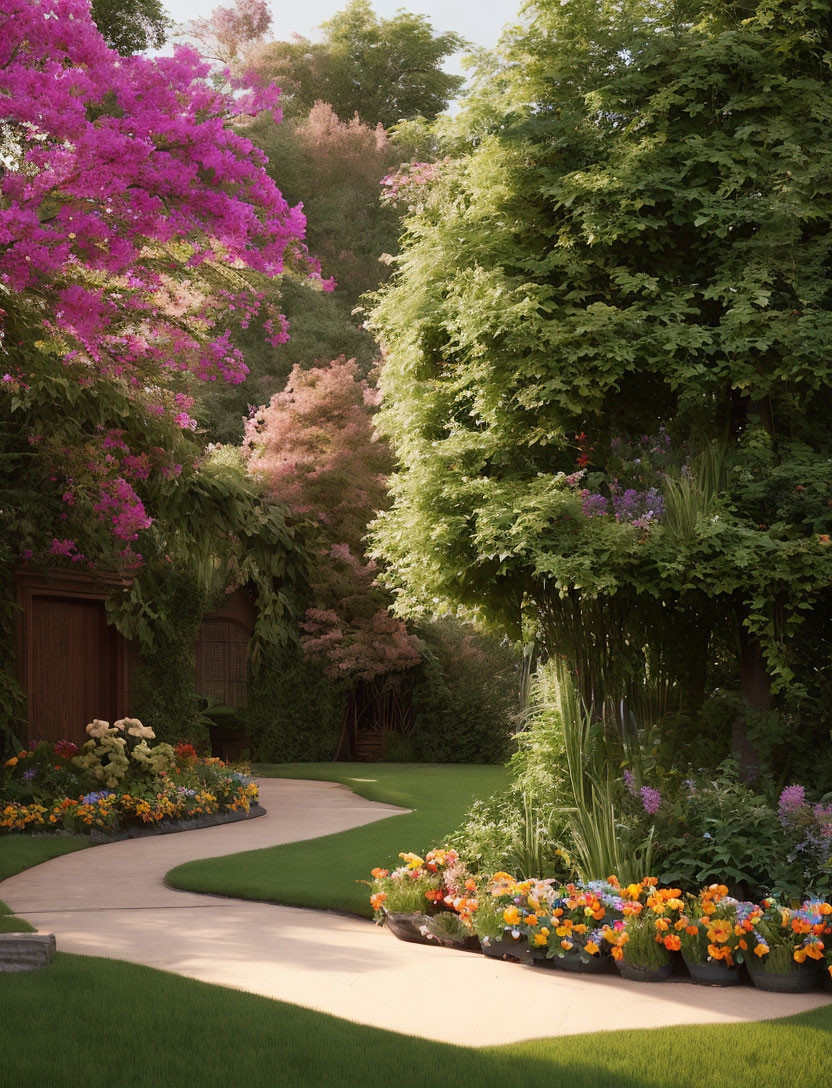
{"type": "Point", "coordinates": [588, 926]}
{"type": "Point", "coordinates": [117, 780]}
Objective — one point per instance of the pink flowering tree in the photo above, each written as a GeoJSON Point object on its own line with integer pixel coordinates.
{"type": "Point", "coordinates": [228, 32]}
{"type": "Point", "coordinates": [315, 448]}
{"type": "Point", "coordinates": [138, 229]}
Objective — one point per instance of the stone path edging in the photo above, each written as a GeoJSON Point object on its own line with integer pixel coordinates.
{"type": "Point", "coordinates": [112, 901]}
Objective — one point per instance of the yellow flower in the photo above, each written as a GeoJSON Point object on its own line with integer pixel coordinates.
{"type": "Point", "coordinates": [511, 916]}
{"type": "Point", "coordinates": [539, 939]}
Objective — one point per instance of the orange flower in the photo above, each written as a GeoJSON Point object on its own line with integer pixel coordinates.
{"type": "Point", "coordinates": [379, 873]}
{"type": "Point", "coordinates": [672, 942]}
{"type": "Point", "coordinates": [591, 947]}
{"type": "Point", "coordinates": [377, 899]}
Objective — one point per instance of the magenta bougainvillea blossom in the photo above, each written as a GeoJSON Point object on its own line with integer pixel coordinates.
{"type": "Point", "coordinates": [115, 159]}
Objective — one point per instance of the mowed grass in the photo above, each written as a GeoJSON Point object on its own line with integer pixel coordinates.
{"type": "Point", "coordinates": [19, 852]}
{"type": "Point", "coordinates": [9, 923]}
{"type": "Point", "coordinates": [102, 1023]}
{"type": "Point", "coordinates": [324, 872]}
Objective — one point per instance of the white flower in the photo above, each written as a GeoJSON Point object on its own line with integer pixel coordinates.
{"type": "Point", "coordinates": [98, 728]}
{"type": "Point", "coordinates": [135, 728]}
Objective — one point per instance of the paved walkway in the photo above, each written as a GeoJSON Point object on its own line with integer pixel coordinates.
{"type": "Point", "coordinates": [112, 901]}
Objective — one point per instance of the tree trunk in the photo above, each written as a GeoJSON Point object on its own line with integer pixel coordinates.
{"type": "Point", "coordinates": [756, 691]}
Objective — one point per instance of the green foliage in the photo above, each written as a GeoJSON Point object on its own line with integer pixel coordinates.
{"type": "Point", "coordinates": [599, 842]}
{"type": "Point", "coordinates": [162, 692]}
{"type": "Point", "coordinates": [382, 69]}
{"type": "Point", "coordinates": [294, 711]}
{"type": "Point", "coordinates": [716, 829]}
{"type": "Point", "coordinates": [131, 26]}
{"type": "Point", "coordinates": [465, 698]}
{"type": "Point", "coordinates": [627, 245]}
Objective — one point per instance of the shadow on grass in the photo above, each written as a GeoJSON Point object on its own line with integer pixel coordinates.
{"type": "Point", "coordinates": [102, 1024]}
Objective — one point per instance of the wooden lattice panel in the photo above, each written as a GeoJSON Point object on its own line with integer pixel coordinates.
{"type": "Point", "coordinates": [222, 661]}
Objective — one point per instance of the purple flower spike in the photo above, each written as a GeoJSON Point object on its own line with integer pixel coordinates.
{"type": "Point", "coordinates": [792, 799]}
{"type": "Point", "coordinates": [651, 799]}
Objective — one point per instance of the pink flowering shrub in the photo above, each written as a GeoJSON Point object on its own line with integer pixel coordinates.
{"type": "Point", "coordinates": [138, 226]}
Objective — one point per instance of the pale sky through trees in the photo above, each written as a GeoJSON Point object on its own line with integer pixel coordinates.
{"type": "Point", "coordinates": [480, 21]}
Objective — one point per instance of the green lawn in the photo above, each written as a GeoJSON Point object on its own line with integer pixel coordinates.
{"type": "Point", "coordinates": [323, 872]}
{"type": "Point", "coordinates": [11, 924]}
{"type": "Point", "coordinates": [101, 1023]}
{"type": "Point", "coordinates": [19, 852]}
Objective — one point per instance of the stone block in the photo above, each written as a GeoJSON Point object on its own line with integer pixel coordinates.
{"type": "Point", "coordinates": [25, 951]}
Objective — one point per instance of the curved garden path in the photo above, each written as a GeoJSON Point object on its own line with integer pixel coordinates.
{"type": "Point", "coordinates": [112, 901]}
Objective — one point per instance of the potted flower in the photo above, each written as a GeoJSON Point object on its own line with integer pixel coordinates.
{"type": "Point", "coordinates": [403, 898]}
{"type": "Point", "coordinates": [503, 918]}
{"type": "Point", "coordinates": [451, 930]}
{"type": "Point", "coordinates": [712, 940]}
{"type": "Point", "coordinates": [788, 945]}
{"type": "Point", "coordinates": [642, 941]}
{"type": "Point", "coordinates": [576, 940]}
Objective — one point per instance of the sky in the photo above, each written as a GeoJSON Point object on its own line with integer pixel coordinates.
{"type": "Point", "coordinates": [480, 21]}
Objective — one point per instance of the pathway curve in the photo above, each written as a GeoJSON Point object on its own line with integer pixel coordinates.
{"type": "Point", "coordinates": [112, 901]}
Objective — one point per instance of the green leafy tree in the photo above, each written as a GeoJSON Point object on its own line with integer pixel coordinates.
{"type": "Point", "coordinates": [132, 26]}
{"type": "Point", "coordinates": [335, 168]}
{"type": "Point", "coordinates": [385, 70]}
{"type": "Point", "coordinates": [608, 367]}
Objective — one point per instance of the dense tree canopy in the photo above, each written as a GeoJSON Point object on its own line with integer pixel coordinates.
{"type": "Point", "coordinates": [608, 372]}
{"type": "Point", "coordinates": [385, 70]}
{"type": "Point", "coordinates": [131, 26]}
{"type": "Point", "coordinates": [335, 169]}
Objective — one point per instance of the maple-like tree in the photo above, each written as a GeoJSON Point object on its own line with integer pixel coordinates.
{"type": "Point", "coordinates": [315, 447]}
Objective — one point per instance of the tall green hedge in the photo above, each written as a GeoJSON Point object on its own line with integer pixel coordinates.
{"type": "Point", "coordinates": [465, 697]}
{"type": "Point", "coordinates": [294, 711]}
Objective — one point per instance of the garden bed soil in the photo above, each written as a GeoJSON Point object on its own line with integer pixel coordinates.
{"type": "Point", "coordinates": [170, 827]}
{"type": "Point", "coordinates": [644, 974]}
{"type": "Point", "coordinates": [514, 951]}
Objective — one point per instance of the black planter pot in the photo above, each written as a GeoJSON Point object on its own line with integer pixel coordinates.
{"type": "Point", "coordinates": [804, 978]}
{"type": "Point", "coordinates": [406, 927]}
{"type": "Point", "coordinates": [512, 949]}
{"type": "Point", "coordinates": [713, 974]}
{"type": "Point", "coordinates": [571, 961]}
{"type": "Point", "coordinates": [468, 944]}
{"type": "Point", "coordinates": [644, 974]}
{"type": "Point", "coordinates": [826, 979]}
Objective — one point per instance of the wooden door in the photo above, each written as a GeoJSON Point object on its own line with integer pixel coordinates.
{"type": "Point", "coordinates": [73, 667]}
